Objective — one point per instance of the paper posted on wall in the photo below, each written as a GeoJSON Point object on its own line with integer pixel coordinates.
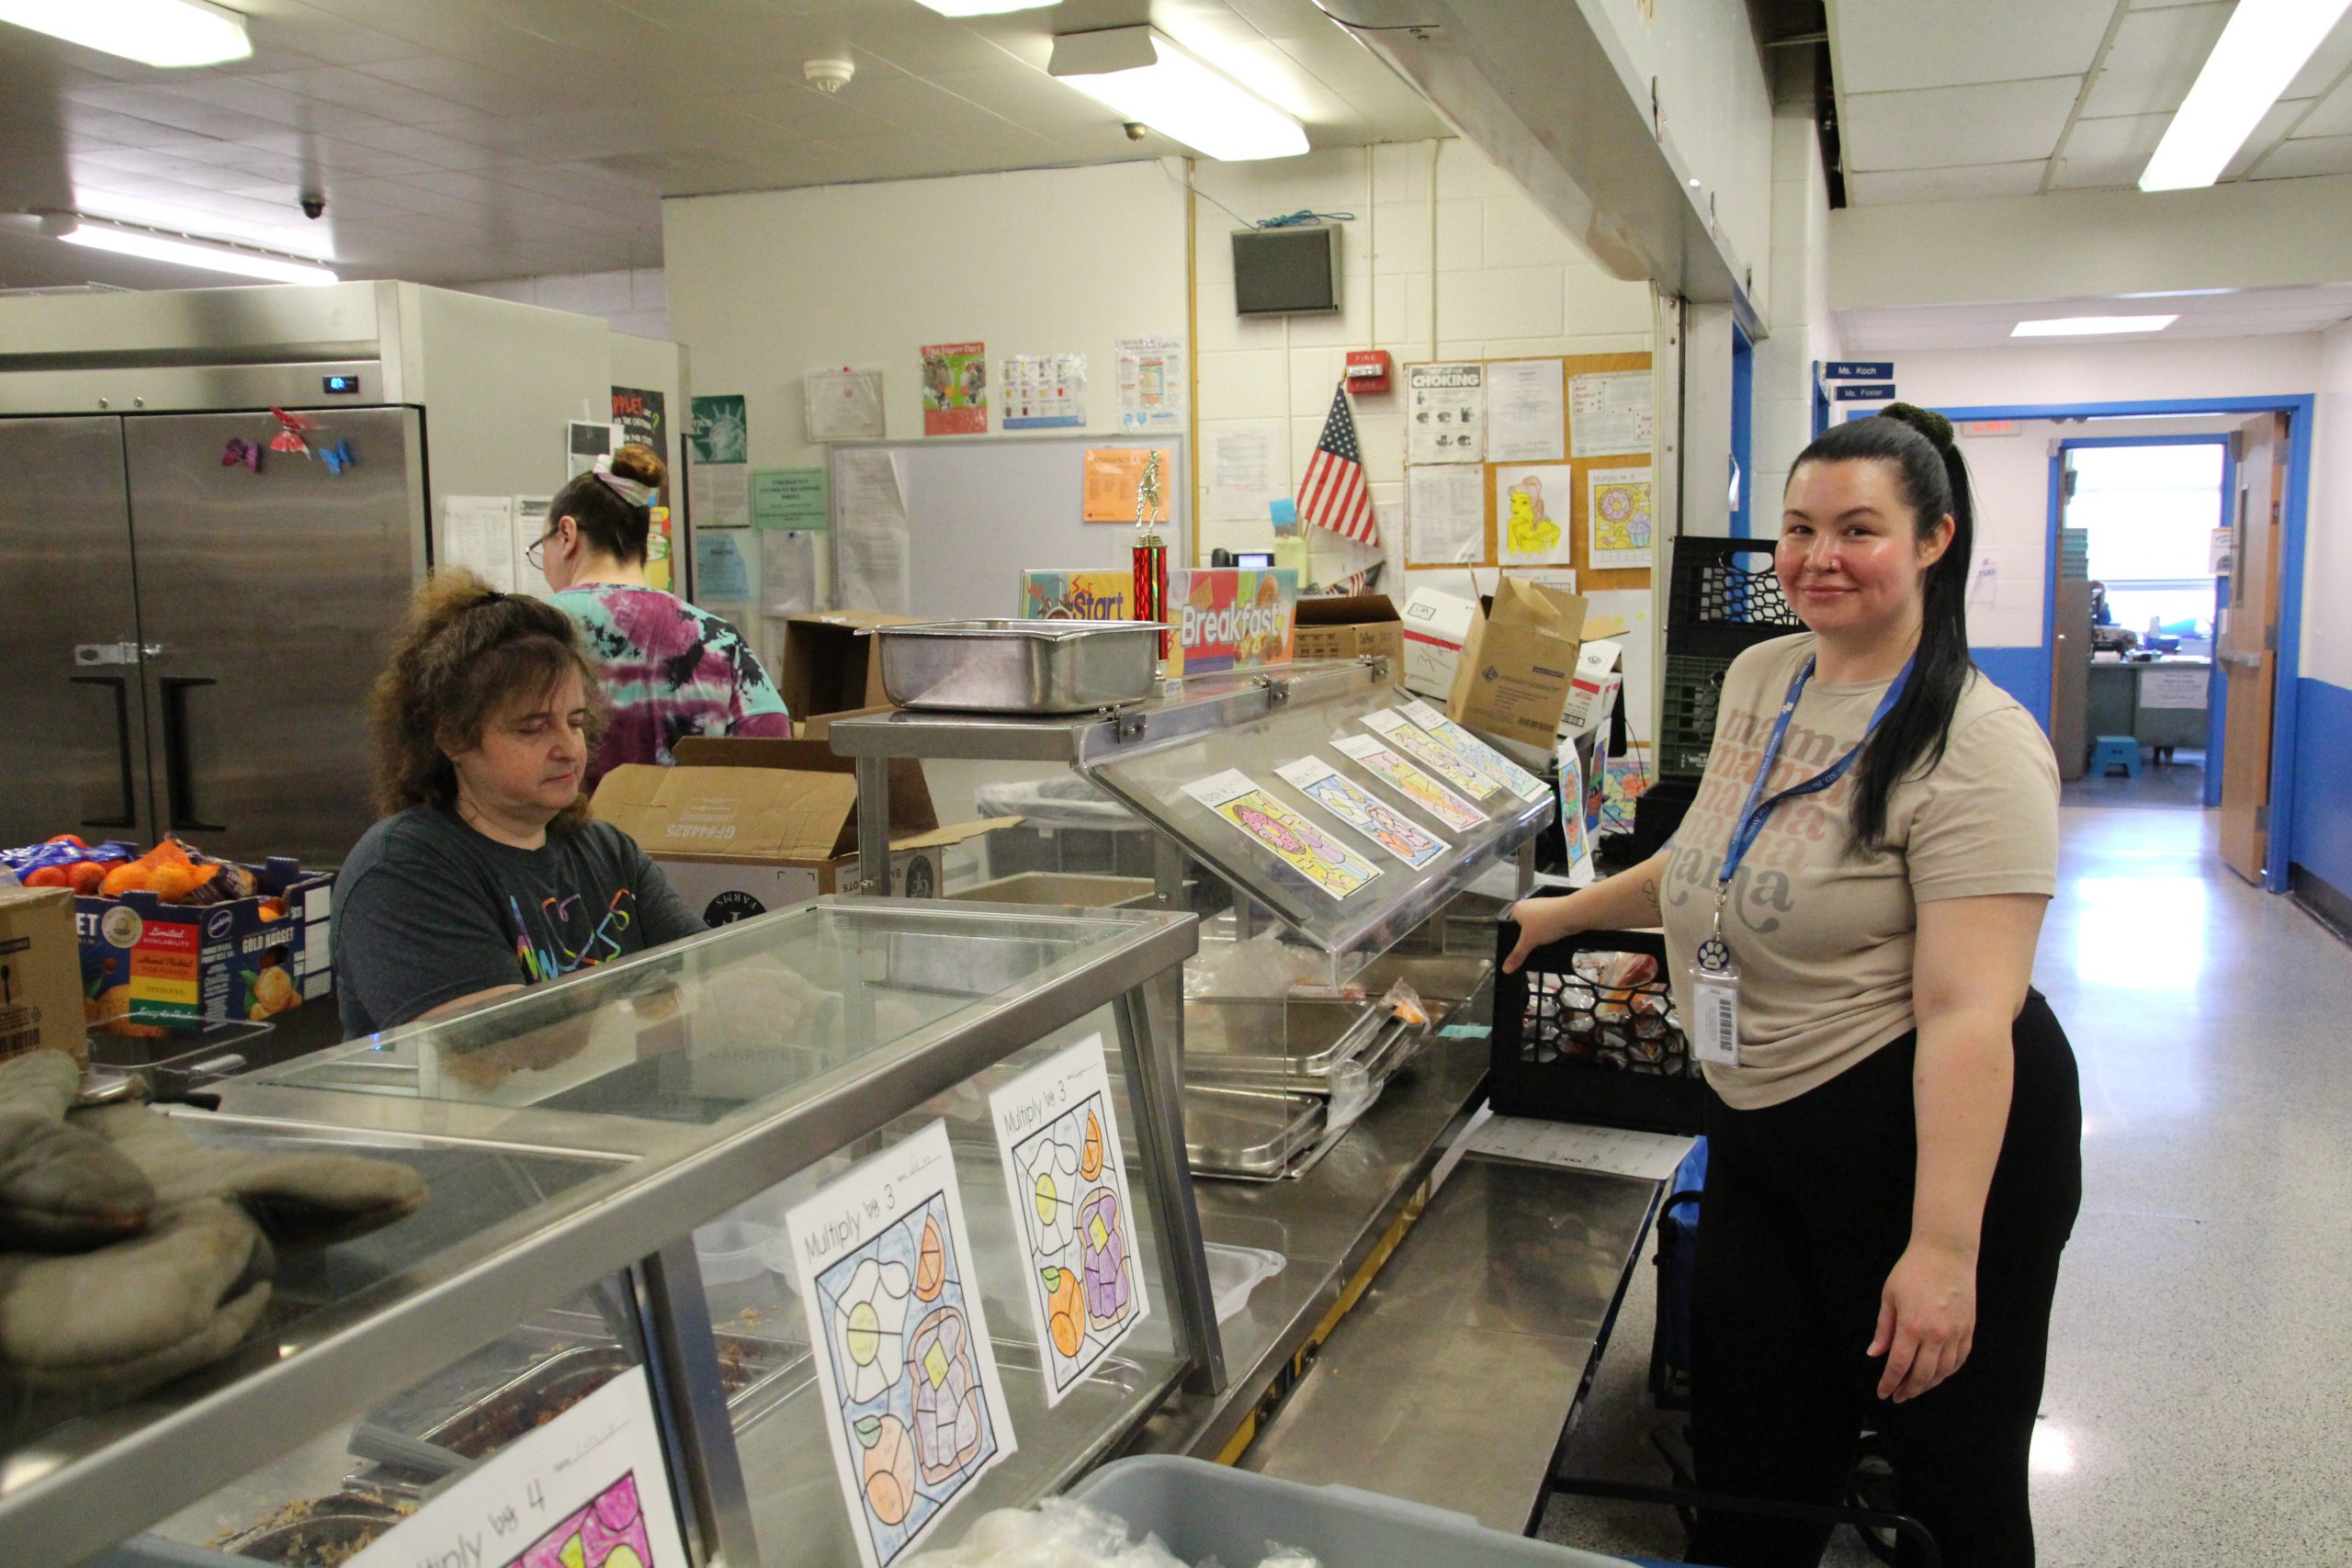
{"type": "Point", "coordinates": [1043, 391]}
{"type": "Point", "coordinates": [1531, 514]}
{"type": "Point", "coordinates": [478, 534]}
{"type": "Point", "coordinates": [1243, 465]}
{"type": "Point", "coordinates": [1526, 411]}
{"type": "Point", "coordinates": [787, 573]}
{"type": "Point", "coordinates": [1445, 513]}
{"type": "Point", "coordinates": [844, 405]}
{"type": "Point", "coordinates": [1611, 413]}
{"type": "Point", "coordinates": [870, 536]}
{"type": "Point", "coordinates": [1617, 513]}
{"type": "Point", "coordinates": [1445, 413]}
{"type": "Point", "coordinates": [722, 495]}
{"type": "Point", "coordinates": [1151, 383]}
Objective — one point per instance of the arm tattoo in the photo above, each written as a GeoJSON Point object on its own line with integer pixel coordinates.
{"type": "Point", "coordinates": [1649, 892]}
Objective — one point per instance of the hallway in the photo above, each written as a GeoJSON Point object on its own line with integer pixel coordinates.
{"type": "Point", "coordinates": [2202, 1357]}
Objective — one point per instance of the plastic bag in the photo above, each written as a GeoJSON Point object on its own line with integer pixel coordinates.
{"type": "Point", "coordinates": [1056, 1533]}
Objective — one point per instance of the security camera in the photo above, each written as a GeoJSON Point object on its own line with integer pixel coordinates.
{"type": "Point", "coordinates": [314, 204]}
{"type": "Point", "coordinates": [1137, 130]}
{"type": "Point", "coordinates": [829, 75]}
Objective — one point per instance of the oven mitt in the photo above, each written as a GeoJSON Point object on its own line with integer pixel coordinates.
{"type": "Point", "coordinates": [298, 1199]}
{"type": "Point", "coordinates": [131, 1316]}
{"type": "Point", "coordinates": [63, 1187]}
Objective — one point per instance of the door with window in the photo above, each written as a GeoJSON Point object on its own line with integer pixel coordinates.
{"type": "Point", "coordinates": [2247, 644]}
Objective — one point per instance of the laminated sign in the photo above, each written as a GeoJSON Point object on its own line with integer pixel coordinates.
{"type": "Point", "coordinates": [1232, 618]}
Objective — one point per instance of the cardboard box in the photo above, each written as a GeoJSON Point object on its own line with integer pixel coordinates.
{"type": "Point", "coordinates": [827, 668]}
{"type": "Point", "coordinates": [1355, 625]}
{"type": "Point", "coordinates": [1434, 627]}
{"type": "Point", "coordinates": [1594, 692]}
{"type": "Point", "coordinates": [1518, 663]}
{"type": "Point", "coordinates": [743, 827]}
{"type": "Point", "coordinates": [40, 986]}
{"type": "Point", "coordinates": [176, 968]}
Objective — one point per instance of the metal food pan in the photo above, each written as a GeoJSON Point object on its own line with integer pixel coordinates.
{"type": "Point", "coordinates": [1064, 889]}
{"type": "Point", "coordinates": [1035, 667]}
{"type": "Point", "coordinates": [1249, 1133]}
{"type": "Point", "coordinates": [1229, 1040]}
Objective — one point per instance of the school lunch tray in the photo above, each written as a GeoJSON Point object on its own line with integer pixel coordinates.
{"type": "Point", "coordinates": [1018, 667]}
{"type": "Point", "coordinates": [1293, 1043]}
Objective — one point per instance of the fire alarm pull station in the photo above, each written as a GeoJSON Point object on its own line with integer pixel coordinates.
{"type": "Point", "coordinates": [1368, 370]}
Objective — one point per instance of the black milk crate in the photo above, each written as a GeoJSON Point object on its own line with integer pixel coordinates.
{"type": "Point", "coordinates": [1724, 596]}
{"type": "Point", "coordinates": [1565, 1049]}
{"type": "Point", "coordinates": [1686, 723]}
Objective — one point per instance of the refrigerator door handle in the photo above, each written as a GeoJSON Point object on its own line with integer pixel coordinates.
{"type": "Point", "coordinates": [179, 786]}
{"type": "Point", "coordinates": [127, 816]}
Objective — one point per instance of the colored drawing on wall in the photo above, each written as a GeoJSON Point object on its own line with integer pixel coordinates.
{"type": "Point", "coordinates": [912, 1400]}
{"type": "Point", "coordinates": [1474, 751]}
{"type": "Point", "coordinates": [1330, 865]}
{"type": "Point", "coordinates": [1409, 780]}
{"type": "Point", "coordinates": [955, 389]}
{"type": "Point", "coordinates": [1532, 504]}
{"type": "Point", "coordinates": [1360, 809]}
{"type": "Point", "coordinates": [1076, 596]}
{"type": "Point", "coordinates": [1401, 733]}
{"type": "Point", "coordinates": [1065, 1168]}
{"type": "Point", "coordinates": [1620, 519]}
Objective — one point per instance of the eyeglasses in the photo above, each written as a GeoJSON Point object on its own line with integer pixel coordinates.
{"type": "Point", "coordinates": [536, 553]}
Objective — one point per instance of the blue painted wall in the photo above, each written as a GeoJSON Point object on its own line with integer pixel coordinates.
{"type": "Point", "coordinates": [2323, 823]}
{"type": "Point", "coordinates": [2023, 672]}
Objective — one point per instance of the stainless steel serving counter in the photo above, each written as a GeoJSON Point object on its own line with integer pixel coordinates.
{"type": "Point", "coordinates": [1333, 1226]}
{"type": "Point", "coordinates": [1453, 1379]}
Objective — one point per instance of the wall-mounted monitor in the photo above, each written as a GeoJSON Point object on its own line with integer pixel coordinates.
{"type": "Point", "coordinates": [1286, 272]}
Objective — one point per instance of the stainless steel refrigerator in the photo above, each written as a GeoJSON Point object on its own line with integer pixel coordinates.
{"type": "Point", "coordinates": [187, 645]}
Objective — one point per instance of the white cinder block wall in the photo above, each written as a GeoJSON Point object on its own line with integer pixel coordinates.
{"type": "Point", "coordinates": [635, 301]}
{"type": "Point", "coordinates": [1804, 331]}
{"type": "Point", "coordinates": [1445, 259]}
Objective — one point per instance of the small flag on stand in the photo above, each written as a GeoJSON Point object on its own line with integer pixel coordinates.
{"type": "Point", "coordinates": [1334, 495]}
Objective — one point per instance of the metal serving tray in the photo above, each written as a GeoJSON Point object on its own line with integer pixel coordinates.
{"type": "Point", "coordinates": [1269, 1043]}
{"type": "Point", "coordinates": [1034, 666]}
{"type": "Point", "coordinates": [1249, 1133]}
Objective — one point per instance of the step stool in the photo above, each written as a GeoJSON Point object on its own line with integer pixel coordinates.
{"type": "Point", "coordinates": [2112, 752]}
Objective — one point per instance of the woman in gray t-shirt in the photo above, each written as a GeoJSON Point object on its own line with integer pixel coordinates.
{"type": "Point", "coordinates": [486, 874]}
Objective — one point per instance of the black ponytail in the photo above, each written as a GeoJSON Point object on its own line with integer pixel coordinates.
{"type": "Point", "coordinates": [1934, 483]}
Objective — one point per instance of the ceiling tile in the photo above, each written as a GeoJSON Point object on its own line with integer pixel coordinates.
{"type": "Point", "coordinates": [1890, 45]}
{"type": "Point", "coordinates": [2307, 155]}
{"type": "Point", "coordinates": [2119, 136]}
{"type": "Point", "coordinates": [2269, 132]}
{"type": "Point", "coordinates": [341, 86]}
{"type": "Point", "coordinates": [176, 110]}
{"type": "Point", "coordinates": [2328, 63]}
{"type": "Point", "coordinates": [462, 82]}
{"type": "Point", "coordinates": [2331, 116]}
{"type": "Point", "coordinates": [1936, 128]}
{"type": "Point", "coordinates": [1946, 184]}
{"type": "Point", "coordinates": [801, 111]}
{"type": "Point", "coordinates": [2154, 58]}
{"type": "Point", "coordinates": [321, 35]}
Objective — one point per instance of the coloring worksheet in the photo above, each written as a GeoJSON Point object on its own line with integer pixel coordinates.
{"type": "Point", "coordinates": [1322, 860]}
{"type": "Point", "coordinates": [1401, 733]}
{"type": "Point", "coordinates": [1069, 1182]}
{"type": "Point", "coordinates": [1355, 805]}
{"type": "Point", "coordinates": [1410, 781]}
{"type": "Point", "coordinates": [911, 1397]}
{"type": "Point", "coordinates": [1475, 752]}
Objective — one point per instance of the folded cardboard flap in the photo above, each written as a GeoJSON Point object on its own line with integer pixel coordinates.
{"type": "Point", "coordinates": [911, 810]}
{"type": "Point", "coordinates": [1519, 602]}
{"type": "Point", "coordinates": [1345, 610]}
{"type": "Point", "coordinates": [828, 668]}
{"type": "Point", "coordinates": [1517, 663]}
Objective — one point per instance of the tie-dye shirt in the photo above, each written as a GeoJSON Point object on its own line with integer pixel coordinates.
{"type": "Point", "coordinates": [671, 670]}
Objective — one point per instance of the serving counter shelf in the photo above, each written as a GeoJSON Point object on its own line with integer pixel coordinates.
{"type": "Point", "coordinates": [1303, 801]}
{"type": "Point", "coordinates": [575, 1138]}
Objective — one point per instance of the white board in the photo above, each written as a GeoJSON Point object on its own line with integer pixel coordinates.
{"type": "Point", "coordinates": [981, 510]}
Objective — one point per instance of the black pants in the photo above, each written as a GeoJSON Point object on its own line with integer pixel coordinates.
{"type": "Point", "coordinates": [1807, 1208]}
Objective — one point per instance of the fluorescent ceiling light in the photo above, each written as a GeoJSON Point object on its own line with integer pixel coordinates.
{"type": "Point", "coordinates": [187, 250]}
{"type": "Point", "coordinates": [2087, 326]}
{"type": "Point", "coordinates": [2264, 44]}
{"type": "Point", "coordinates": [153, 32]}
{"type": "Point", "coordinates": [984, 7]}
{"type": "Point", "coordinates": [1143, 75]}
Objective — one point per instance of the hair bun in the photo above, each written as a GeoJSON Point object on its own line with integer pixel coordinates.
{"type": "Point", "coordinates": [1926, 421]}
{"type": "Point", "coordinates": [642, 463]}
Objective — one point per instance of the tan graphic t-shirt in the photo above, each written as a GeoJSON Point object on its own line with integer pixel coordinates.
{"type": "Point", "coordinates": [1823, 938]}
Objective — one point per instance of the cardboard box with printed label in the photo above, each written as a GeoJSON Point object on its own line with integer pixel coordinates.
{"type": "Point", "coordinates": [151, 967]}
{"type": "Point", "coordinates": [827, 668]}
{"type": "Point", "coordinates": [41, 968]}
{"type": "Point", "coordinates": [1434, 626]}
{"type": "Point", "coordinates": [1518, 664]}
{"type": "Point", "coordinates": [1594, 692]}
{"type": "Point", "coordinates": [740, 828]}
{"type": "Point", "coordinates": [1354, 626]}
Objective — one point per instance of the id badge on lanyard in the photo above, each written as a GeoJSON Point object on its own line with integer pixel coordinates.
{"type": "Point", "coordinates": [1714, 978]}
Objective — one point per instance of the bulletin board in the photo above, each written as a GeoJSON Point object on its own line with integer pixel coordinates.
{"type": "Point", "coordinates": [1578, 499]}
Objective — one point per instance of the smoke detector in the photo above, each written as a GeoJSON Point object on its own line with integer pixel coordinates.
{"type": "Point", "coordinates": [829, 75]}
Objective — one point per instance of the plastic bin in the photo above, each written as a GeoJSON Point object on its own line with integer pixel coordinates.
{"type": "Point", "coordinates": [1724, 596]}
{"type": "Point", "coordinates": [1566, 1051]}
{"type": "Point", "coordinates": [1200, 1510]}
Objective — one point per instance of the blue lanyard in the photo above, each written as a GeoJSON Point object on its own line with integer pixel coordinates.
{"type": "Point", "coordinates": [1757, 811]}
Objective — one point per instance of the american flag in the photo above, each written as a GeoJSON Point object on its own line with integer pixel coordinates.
{"type": "Point", "coordinates": [1333, 494]}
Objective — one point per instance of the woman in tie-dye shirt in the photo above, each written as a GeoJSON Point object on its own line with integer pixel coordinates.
{"type": "Point", "coordinates": [670, 670]}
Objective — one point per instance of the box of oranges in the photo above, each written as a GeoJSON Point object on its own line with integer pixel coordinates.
{"type": "Point", "coordinates": [173, 939]}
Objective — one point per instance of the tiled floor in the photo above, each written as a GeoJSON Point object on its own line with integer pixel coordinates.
{"type": "Point", "coordinates": [2200, 1371]}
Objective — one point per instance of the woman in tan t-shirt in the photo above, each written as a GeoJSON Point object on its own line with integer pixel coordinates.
{"type": "Point", "coordinates": [1895, 1127]}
